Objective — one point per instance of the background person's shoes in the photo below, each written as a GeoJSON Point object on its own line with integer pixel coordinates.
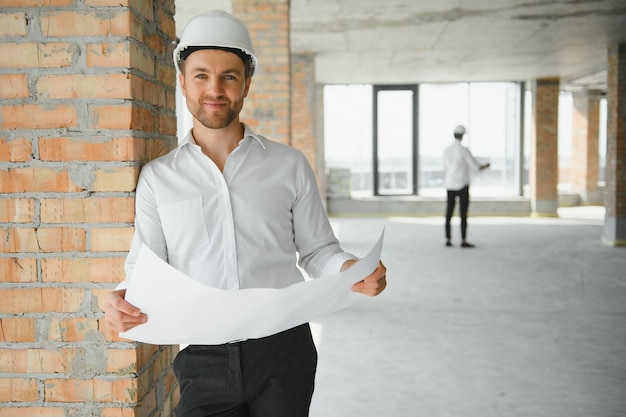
{"type": "Point", "coordinates": [448, 244]}
{"type": "Point", "coordinates": [467, 245]}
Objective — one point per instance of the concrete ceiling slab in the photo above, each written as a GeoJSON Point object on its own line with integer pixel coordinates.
{"type": "Point", "coordinates": [404, 41]}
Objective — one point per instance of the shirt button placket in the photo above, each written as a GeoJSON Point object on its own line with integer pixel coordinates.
{"type": "Point", "coordinates": [233, 283]}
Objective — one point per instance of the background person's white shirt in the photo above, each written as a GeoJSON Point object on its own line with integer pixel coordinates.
{"type": "Point", "coordinates": [457, 163]}
{"type": "Point", "coordinates": [238, 229]}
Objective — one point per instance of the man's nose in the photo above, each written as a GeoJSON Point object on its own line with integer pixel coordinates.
{"type": "Point", "coordinates": [215, 86]}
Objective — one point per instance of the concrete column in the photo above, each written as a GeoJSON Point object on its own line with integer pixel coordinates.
{"type": "Point", "coordinates": [544, 170]}
{"type": "Point", "coordinates": [585, 154]}
{"type": "Point", "coordinates": [267, 108]}
{"type": "Point", "coordinates": [615, 218]}
{"type": "Point", "coordinates": [87, 97]}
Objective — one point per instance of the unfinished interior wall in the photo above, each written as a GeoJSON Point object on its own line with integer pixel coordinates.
{"type": "Point", "coordinates": [87, 90]}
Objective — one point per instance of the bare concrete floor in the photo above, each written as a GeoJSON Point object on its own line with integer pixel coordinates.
{"type": "Point", "coordinates": [530, 323]}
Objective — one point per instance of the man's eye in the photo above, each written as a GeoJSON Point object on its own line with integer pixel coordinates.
{"type": "Point", "coordinates": [201, 76]}
{"type": "Point", "coordinates": [230, 77]}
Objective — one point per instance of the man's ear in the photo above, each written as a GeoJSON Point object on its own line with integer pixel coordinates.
{"type": "Point", "coordinates": [181, 80]}
{"type": "Point", "coordinates": [247, 88]}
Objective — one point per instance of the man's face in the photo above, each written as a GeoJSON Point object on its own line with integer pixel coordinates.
{"type": "Point", "coordinates": [214, 85]}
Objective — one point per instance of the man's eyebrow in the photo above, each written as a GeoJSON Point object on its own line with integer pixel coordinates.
{"type": "Point", "coordinates": [226, 71]}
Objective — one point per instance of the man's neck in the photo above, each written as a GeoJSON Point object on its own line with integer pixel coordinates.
{"type": "Point", "coordinates": [217, 144]}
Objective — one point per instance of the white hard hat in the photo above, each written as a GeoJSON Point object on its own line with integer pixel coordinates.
{"type": "Point", "coordinates": [215, 29]}
{"type": "Point", "coordinates": [459, 130]}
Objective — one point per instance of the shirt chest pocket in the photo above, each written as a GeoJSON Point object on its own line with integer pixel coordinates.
{"type": "Point", "coordinates": [185, 229]}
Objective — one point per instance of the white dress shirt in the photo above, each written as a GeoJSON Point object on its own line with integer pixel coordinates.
{"type": "Point", "coordinates": [457, 162]}
{"type": "Point", "coordinates": [240, 228]}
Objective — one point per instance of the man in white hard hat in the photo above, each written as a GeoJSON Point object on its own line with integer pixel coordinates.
{"type": "Point", "coordinates": [457, 163]}
{"type": "Point", "coordinates": [232, 209]}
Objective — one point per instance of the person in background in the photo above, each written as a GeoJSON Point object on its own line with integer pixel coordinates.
{"type": "Point", "coordinates": [457, 164]}
{"type": "Point", "coordinates": [233, 209]}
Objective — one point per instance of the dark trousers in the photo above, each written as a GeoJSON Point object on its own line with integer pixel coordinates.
{"type": "Point", "coordinates": [268, 377]}
{"type": "Point", "coordinates": [463, 195]}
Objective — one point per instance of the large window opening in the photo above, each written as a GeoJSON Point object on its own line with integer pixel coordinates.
{"type": "Point", "coordinates": [348, 140]}
{"type": "Point", "coordinates": [602, 143]}
{"type": "Point", "coordinates": [566, 115]}
{"type": "Point", "coordinates": [491, 114]}
{"type": "Point", "coordinates": [379, 141]}
{"type": "Point", "coordinates": [395, 147]}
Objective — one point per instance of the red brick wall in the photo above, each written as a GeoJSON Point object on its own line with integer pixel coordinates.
{"type": "Point", "coordinates": [616, 133]}
{"type": "Point", "coordinates": [267, 108]}
{"type": "Point", "coordinates": [304, 108]}
{"type": "Point", "coordinates": [543, 175]}
{"type": "Point", "coordinates": [87, 96]}
{"type": "Point", "coordinates": [615, 219]}
{"type": "Point", "coordinates": [281, 104]}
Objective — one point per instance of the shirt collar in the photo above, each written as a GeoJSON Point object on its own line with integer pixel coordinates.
{"type": "Point", "coordinates": [247, 133]}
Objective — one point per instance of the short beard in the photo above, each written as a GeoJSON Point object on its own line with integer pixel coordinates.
{"type": "Point", "coordinates": [214, 121]}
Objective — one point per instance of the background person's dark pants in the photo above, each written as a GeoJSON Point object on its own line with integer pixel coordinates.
{"type": "Point", "coordinates": [463, 195]}
{"type": "Point", "coordinates": [269, 377]}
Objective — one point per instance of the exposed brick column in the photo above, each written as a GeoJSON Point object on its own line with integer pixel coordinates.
{"type": "Point", "coordinates": [304, 114]}
{"type": "Point", "coordinates": [585, 154]}
{"type": "Point", "coordinates": [615, 219]}
{"type": "Point", "coordinates": [282, 103]}
{"type": "Point", "coordinates": [543, 175]}
{"type": "Point", "coordinates": [87, 97]}
{"type": "Point", "coordinates": [267, 107]}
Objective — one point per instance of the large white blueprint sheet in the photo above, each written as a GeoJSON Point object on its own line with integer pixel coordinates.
{"type": "Point", "coordinates": [181, 310]}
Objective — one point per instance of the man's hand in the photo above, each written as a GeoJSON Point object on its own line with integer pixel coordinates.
{"type": "Point", "coordinates": [121, 315]}
{"type": "Point", "coordinates": [372, 284]}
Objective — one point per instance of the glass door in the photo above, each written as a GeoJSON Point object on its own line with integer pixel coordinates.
{"type": "Point", "coordinates": [395, 157]}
